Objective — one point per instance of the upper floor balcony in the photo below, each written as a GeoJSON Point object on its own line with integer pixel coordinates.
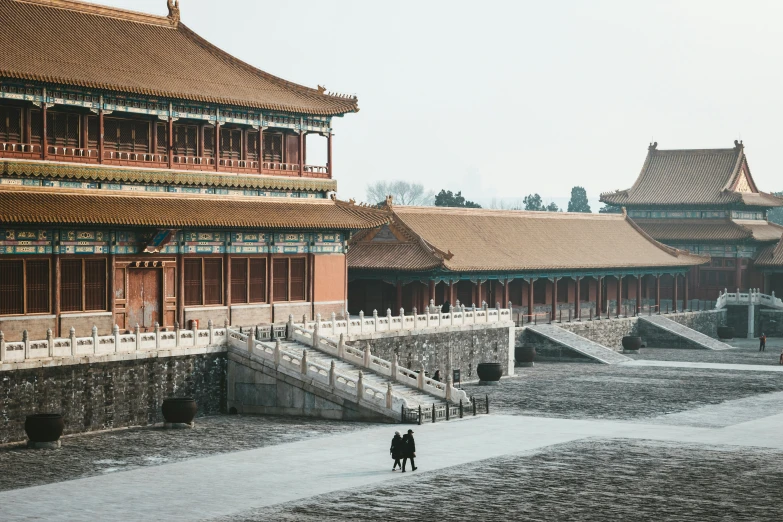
{"type": "Point", "coordinates": [81, 136]}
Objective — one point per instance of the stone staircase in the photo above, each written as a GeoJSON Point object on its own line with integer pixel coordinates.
{"type": "Point", "coordinates": [344, 373]}
{"type": "Point", "coordinates": [691, 336]}
{"type": "Point", "coordinates": [579, 344]}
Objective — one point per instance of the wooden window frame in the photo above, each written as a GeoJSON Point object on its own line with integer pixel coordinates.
{"type": "Point", "coordinates": [203, 281]}
{"type": "Point", "coordinates": [288, 259]}
{"type": "Point", "coordinates": [25, 285]}
{"type": "Point", "coordinates": [247, 264]}
{"type": "Point", "coordinates": [83, 262]}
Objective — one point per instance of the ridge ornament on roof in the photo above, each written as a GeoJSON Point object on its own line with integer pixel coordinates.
{"type": "Point", "coordinates": [173, 15]}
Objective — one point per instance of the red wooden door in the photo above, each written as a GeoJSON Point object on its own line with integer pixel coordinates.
{"type": "Point", "coordinates": [144, 298]}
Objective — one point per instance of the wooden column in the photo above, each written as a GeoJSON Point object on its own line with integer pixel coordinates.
{"type": "Point", "coordinates": [479, 293]}
{"type": "Point", "coordinates": [399, 298]}
{"type": "Point", "coordinates": [432, 292]}
{"type": "Point", "coordinates": [685, 296]}
{"type": "Point", "coordinates": [329, 158]}
{"type": "Point", "coordinates": [451, 293]}
{"type": "Point", "coordinates": [506, 294]}
{"type": "Point", "coordinates": [598, 296]}
{"type": "Point", "coordinates": [227, 284]}
{"type": "Point", "coordinates": [638, 294]}
{"type": "Point", "coordinates": [83, 136]}
{"type": "Point", "coordinates": [217, 145]}
{"type": "Point", "coordinates": [269, 292]}
{"type": "Point", "coordinates": [56, 293]}
{"type": "Point", "coordinates": [658, 292]}
{"type": "Point", "coordinates": [619, 295]}
{"type": "Point", "coordinates": [111, 283]}
{"type": "Point", "coordinates": [554, 298]}
{"type": "Point", "coordinates": [674, 304]}
{"type": "Point", "coordinates": [578, 294]}
{"type": "Point", "coordinates": [738, 274]}
{"type": "Point", "coordinates": [170, 147]}
{"type": "Point", "coordinates": [530, 304]}
{"type": "Point", "coordinates": [311, 283]}
{"type": "Point", "coordinates": [44, 133]}
{"type": "Point", "coordinates": [28, 129]}
{"type": "Point", "coordinates": [301, 153]}
{"type": "Point", "coordinates": [243, 151]}
{"type": "Point", "coordinates": [181, 291]}
{"type": "Point", "coordinates": [261, 149]}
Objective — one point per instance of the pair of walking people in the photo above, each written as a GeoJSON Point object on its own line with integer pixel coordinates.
{"type": "Point", "coordinates": [403, 448]}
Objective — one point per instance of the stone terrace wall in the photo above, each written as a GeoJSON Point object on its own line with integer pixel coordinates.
{"type": "Point", "coordinates": [469, 346]}
{"type": "Point", "coordinates": [114, 394]}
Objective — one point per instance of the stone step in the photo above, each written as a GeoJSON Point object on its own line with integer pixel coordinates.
{"type": "Point", "coordinates": [579, 344]}
{"type": "Point", "coordinates": [689, 334]}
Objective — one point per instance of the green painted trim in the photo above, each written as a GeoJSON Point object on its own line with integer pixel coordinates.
{"type": "Point", "coordinates": [215, 179]}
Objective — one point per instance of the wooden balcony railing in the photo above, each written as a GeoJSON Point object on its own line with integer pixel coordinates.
{"type": "Point", "coordinates": [150, 160]}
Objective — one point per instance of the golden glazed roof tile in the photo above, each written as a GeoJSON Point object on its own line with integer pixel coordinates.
{"type": "Point", "coordinates": [75, 43]}
{"type": "Point", "coordinates": [467, 240]}
{"type": "Point", "coordinates": [35, 205]}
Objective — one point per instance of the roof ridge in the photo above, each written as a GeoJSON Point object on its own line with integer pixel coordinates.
{"type": "Point", "coordinates": [102, 10]}
{"type": "Point", "coordinates": [498, 211]}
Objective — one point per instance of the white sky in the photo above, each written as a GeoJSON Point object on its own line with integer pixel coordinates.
{"type": "Point", "coordinates": [501, 99]}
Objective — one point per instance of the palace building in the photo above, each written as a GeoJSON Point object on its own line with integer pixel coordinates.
{"type": "Point", "coordinates": [705, 201]}
{"type": "Point", "coordinates": [544, 263]}
{"type": "Point", "coordinates": [147, 177]}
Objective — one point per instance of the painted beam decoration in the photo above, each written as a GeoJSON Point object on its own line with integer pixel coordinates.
{"type": "Point", "coordinates": [162, 108]}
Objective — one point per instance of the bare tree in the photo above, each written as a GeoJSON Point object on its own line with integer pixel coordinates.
{"type": "Point", "coordinates": [404, 193]}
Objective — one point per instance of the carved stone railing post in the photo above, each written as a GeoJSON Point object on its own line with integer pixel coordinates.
{"type": "Point", "coordinates": [72, 338]}
{"type": "Point", "coordinates": [451, 313]}
{"type": "Point", "coordinates": [334, 323]}
{"type": "Point", "coordinates": [388, 319]}
{"type": "Point", "coordinates": [416, 318]}
{"type": "Point", "coordinates": [250, 342]}
{"type": "Point", "coordinates": [303, 366]}
{"type": "Point", "coordinates": [402, 320]}
{"type": "Point", "coordinates": [428, 319]}
{"type": "Point", "coordinates": [212, 330]}
{"type": "Point", "coordinates": [420, 377]}
{"type": "Point", "coordinates": [332, 376]}
{"type": "Point", "coordinates": [176, 332]}
{"type": "Point", "coordinates": [389, 395]}
{"type": "Point", "coordinates": [289, 331]}
{"type": "Point", "coordinates": [449, 389]}
{"type": "Point", "coordinates": [50, 342]}
{"type": "Point", "coordinates": [94, 339]}
{"type": "Point", "coordinates": [318, 318]}
{"type": "Point", "coordinates": [116, 332]}
{"type": "Point", "coordinates": [2, 346]}
{"type": "Point", "coordinates": [26, 341]}
{"type": "Point", "coordinates": [137, 332]}
{"type": "Point", "coordinates": [278, 347]}
{"type": "Point", "coordinates": [316, 334]}
{"type": "Point", "coordinates": [157, 335]}
{"type": "Point", "coordinates": [375, 319]}
{"type": "Point", "coordinates": [361, 321]}
{"type": "Point", "coordinates": [367, 356]}
{"type": "Point", "coordinates": [304, 321]}
{"type": "Point", "coordinates": [432, 305]}
{"type": "Point", "coordinates": [341, 347]}
{"type": "Point", "coordinates": [195, 333]}
{"type": "Point", "coordinates": [394, 365]}
{"type": "Point", "coordinates": [360, 386]}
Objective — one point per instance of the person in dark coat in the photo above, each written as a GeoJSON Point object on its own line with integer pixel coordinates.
{"type": "Point", "coordinates": [396, 450]}
{"type": "Point", "coordinates": [409, 450]}
{"type": "Point", "coordinates": [762, 342]}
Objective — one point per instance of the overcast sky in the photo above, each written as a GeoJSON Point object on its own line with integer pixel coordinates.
{"type": "Point", "coordinates": [502, 99]}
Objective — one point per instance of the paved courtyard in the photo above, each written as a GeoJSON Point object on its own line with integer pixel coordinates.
{"type": "Point", "coordinates": [565, 441]}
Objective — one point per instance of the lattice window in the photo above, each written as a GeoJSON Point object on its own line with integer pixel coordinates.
{"type": "Point", "coordinates": [252, 145]}
{"type": "Point", "coordinates": [93, 131]}
{"type": "Point", "coordinates": [37, 282]}
{"type": "Point", "coordinates": [186, 140]}
{"type": "Point", "coordinates": [71, 285]}
{"type": "Point", "coordinates": [11, 279]}
{"type": "Point", "coordinates": [258, 280]}
{"type": "Point", "coordinates": [36, 126]}
{"type": "Point", "coordinates": [193, 282]}
{"type": "Point", "coordinates": [162, 137]}
{"type": "Point", "coordinates": [209, 141]}
{"type": "Point", "coordinates": [231, 144]}
{"type": "Point", "coordinates": [213, 281]}
{"type": "Point", "coordinates": [273, 147]}
{"type": "Point", "coordinates": [10, 124]}
{"type": "Point", "coordinates": [126, 135]}
{"type": "Point", "coordinates": [62, 129]}
{"type": "Point", "coordinates": [239, 286]}
{"type": "Point", "coordinates": [298, 286]}
{"type": "Point", "coordinates": [94, 284]}
{"type": "Point", "coordinates": [280, 279]}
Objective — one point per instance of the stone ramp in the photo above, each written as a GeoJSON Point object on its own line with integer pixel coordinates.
{"type": "Point", "coordinates": [579, 344]}
{"type": "Point", "coordinates": [689, 336]}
